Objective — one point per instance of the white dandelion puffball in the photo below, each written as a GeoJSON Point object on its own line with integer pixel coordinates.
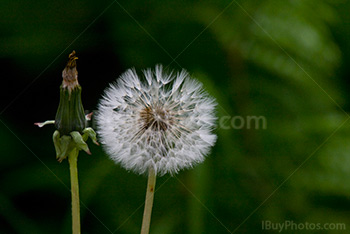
{"type": "Point", "coordinates": [164, 121]}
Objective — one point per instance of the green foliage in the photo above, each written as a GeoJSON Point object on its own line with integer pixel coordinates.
{"type": "Point", "coordinates": [284, 60]}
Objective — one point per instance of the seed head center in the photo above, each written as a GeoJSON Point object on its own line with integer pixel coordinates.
{"type": "Point", "coordinates": [155, 118]}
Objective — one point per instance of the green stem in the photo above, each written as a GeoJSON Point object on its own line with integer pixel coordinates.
{"type": "Point", "coordinates": [146, 221]}
{"type": "Point", "coordinates": [73, 158]}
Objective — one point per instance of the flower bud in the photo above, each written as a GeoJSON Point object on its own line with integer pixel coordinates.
{"type": "Point", "coordinates": [70, 114]}
{"type": "Point", "coordinates": [71, 134]}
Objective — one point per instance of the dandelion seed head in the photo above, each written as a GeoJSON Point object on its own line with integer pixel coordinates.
{"type": "Point", "coordinates": [163, 120]}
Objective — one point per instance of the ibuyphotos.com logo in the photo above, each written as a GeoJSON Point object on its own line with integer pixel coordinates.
{"type": "Point", "coordinates": [290, 225]}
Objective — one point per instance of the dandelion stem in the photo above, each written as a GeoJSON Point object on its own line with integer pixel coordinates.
{"type": "Point", "coordinates": [146, 221]}
{"type": "Point", "coordinates": [73, 158]}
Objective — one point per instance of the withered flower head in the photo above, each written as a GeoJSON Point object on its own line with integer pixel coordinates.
{"type": "Point", "coordinates": [70, 73]}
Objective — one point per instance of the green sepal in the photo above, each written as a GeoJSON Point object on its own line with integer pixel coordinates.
{"type": "Point", "coordinates": [79, 142]}
{"type": "Point", "coordinates": [40, 125]}
{"type": "Point", "coordinates": [63, 145]}
{"type": "Point", "coordinates": [66, 147]}
{"type": "Point", "coordinates": [66, 144]}
{"type": "Point", "coordinates": [56, 142]}
{"type": "Point", "coordinates": [89, 132]}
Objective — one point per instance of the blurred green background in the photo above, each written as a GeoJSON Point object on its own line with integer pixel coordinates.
{"type": "Point", "coordinates": [286, 61]}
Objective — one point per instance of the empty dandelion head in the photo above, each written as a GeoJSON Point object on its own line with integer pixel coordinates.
{"type": "Point", "coordinates": [164, 121]}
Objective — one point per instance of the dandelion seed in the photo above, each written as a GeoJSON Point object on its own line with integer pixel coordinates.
{"type": "Point", "coordinates": [159, 120]}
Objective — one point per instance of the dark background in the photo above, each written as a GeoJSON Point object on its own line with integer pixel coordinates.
{"type": "Point", "coordinates": [284, 60]}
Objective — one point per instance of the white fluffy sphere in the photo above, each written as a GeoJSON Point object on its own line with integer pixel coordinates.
{"type": "Point", "coordinates": [164, 121]}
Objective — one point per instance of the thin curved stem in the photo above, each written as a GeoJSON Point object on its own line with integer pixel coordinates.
{"type": "Point", "coordinates": [73, 158]}
{"type": "Point", "coordinates": [146, 221]}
